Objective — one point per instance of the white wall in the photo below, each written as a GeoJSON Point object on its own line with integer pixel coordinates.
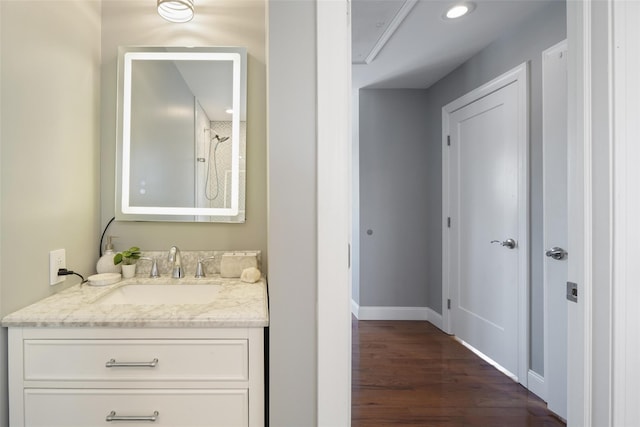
{"type": "Point", "coordinates": [50, 140]}
{"type": "Point", "coordinates": [292, 212]}
{"type": "Point", "coordinates": [216, 23]}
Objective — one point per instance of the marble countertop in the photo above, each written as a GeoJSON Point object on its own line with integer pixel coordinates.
{"type": "Point", "coordinates": [237, 304]}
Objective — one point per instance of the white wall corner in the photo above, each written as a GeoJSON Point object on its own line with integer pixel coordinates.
{"type": "Point", "coordinates": [435, 319]}
{"type": "Point", "coordinates": [355, 309]}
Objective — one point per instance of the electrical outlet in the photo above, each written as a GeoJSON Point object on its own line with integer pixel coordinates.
{"type": "Point", "coordinates": [57, 260]}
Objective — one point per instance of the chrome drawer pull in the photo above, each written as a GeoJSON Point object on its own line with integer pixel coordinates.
{"type": "Point", "coordinates": [113, 364]}
{"type": "Point", "coordinates": [113, 417]}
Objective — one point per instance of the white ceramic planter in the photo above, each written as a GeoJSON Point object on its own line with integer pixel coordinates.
{"type": "Point", "coordinates": [128, 271]}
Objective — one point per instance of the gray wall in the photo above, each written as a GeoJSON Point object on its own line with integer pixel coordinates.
{"type": "Point", "coordinates": [524, 43]}
{"type": "Point", "coordinates": [399, 179]}
{"type": "Point", "coordinates": [50, 144]}
{"type": "Point", "coordinates": [292, 212]}
{"type": "Point", "coordinates": [219, 23]}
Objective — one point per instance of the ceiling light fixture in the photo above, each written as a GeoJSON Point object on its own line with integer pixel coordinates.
{"type": "Point", "coordinates": [176, 10]}
{"type": "Point", "coordinates": [459, 10]}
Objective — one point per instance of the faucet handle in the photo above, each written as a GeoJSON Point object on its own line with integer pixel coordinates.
{"type": "Point", "coordinates": [200, 270]}
{"type": "Point", "coordinates": [200, 267]}
{"type": "Point", "coordinates": [154, 266]}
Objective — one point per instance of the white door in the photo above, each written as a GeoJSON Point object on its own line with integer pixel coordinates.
{"type": "Point", "coordinates": [554, 142]}
{"type": "Point", "coordinates": [487, 200]}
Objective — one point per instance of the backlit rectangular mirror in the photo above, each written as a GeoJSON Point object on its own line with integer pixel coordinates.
{"type": "Point", "coordinates": [181, 148]}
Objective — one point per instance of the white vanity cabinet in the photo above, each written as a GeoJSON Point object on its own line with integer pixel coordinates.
{"type": "Point", "coordinates": [179, 377]}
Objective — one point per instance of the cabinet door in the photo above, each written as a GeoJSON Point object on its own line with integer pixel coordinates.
{"type": "Point", "coordinates": [177, 408]}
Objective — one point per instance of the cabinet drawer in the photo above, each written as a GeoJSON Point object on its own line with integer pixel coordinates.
{"type": "Point", "coordinates": [177, 408]}
{"type": "Point", "coordinates": [177, 360]}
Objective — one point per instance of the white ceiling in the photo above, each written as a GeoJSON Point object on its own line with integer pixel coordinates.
{"type": "Point", "coordinates": [424, 47]}
{"type": "Point", "coordinates": [212, 84]}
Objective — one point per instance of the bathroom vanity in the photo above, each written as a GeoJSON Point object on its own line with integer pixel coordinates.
{"type": "Point", "coordinates": [82, 358]}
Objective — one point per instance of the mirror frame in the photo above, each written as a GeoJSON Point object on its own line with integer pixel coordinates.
{"type": "Point", "coordinates": [124, 210]}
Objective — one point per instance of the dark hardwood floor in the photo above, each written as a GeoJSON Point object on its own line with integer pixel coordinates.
{"type": "Point", "coordinates": [411, 373]}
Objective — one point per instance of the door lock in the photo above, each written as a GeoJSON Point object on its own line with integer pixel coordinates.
{"type": "Point", "coordinates": [556, 253]}
{"type": "Point", "coordinates": [509, 243]}
{"type": "Point", "coordinates": [572, 291]}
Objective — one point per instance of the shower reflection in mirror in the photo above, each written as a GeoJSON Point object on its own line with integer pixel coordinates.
{"type": "Point", "coordinates": [214, 162]}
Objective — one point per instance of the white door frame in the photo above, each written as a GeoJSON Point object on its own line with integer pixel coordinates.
{"type": "Point", "coordinates": [548, 316]}
{"type": "Point", "coordinates": [626, 208]}
{"type": "Point", "coordinates": [519, 76]}
{"type": "Point", "coordinates": [579, 210]}
{"type": "Point", "coordinates": [333, 34]}
{"type": "Point", "coordinates": [584, 84]}
{"type": "Point", "coordinates": [580, 388]}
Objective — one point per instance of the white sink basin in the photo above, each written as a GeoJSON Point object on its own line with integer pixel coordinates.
{"type": "Point", "coordinates": [161, 294]}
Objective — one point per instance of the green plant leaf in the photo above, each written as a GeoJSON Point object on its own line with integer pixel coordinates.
{"type": "Point", "coordinates": [127, 257]}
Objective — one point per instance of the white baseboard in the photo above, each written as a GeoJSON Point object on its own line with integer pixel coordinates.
{"type": "Point", "coordinates": [396, 313]}
{"type": "Point", "coordinates": [490, 361]}
{"type": "Point", "coordinates": [535, 384]}
{"type": "Point", "coordinates": [392, 313]}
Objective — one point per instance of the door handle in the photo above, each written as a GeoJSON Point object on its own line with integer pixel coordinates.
{"type": "Point", "coordinates": [509, 243]}
{"type": "Point", "coordinates": [556, 253]}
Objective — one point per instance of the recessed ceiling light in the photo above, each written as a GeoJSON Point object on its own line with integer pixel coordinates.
{"type": "Point", "coordinates": [229, 111]}
{"type": "Point", "coordinates": [459, 10]}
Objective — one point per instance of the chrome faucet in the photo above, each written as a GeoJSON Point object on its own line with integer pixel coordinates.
{"type": "Point", "coordinates": [176, 261]}
{"type": "Point", "coordinates": [153, 273]}
{"type": "Point", "coordinates": [200, 268]}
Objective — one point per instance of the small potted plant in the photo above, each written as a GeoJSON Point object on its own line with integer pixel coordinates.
{"type": "Point", "coordinates": [128, 259]}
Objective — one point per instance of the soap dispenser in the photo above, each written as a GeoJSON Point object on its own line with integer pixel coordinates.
{"type": "Point", "coordinates": [105, 263]}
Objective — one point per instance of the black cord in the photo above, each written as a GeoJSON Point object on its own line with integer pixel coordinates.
{"type": "Point", "coordinates": [65, 272]}
{"type": "Point", "coordinates": [103, 233]}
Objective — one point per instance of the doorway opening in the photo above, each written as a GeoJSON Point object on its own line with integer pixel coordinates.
{"type": "Point", "coordinates": [397, 240]}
